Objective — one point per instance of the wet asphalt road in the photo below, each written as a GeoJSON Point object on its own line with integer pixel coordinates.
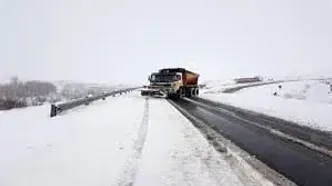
{"type": "Point", "coordinates": [299, 164]}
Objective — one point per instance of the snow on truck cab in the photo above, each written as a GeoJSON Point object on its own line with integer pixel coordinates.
{"type": "Point", "coordinates": [172, 83]}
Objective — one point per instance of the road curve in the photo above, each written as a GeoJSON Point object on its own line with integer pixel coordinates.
{"type": "Point", "coordinates": [319, 138]}
{"type": "Point", "coordinates": [298, 163]}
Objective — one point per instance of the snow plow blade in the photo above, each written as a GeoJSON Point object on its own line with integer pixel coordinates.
{"type": "Point", "coordinates": [153, 93]}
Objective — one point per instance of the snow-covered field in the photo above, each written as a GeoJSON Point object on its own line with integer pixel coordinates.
{"type": "Point", "coordinates": [307, 102]}
{"type": "Point", "coordinates": [219, 86]}
{"type": "Point", "coordinates": [120, 141]}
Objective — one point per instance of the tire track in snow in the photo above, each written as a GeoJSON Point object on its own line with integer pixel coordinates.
{"type": "Point", "coordinates": [127, 178]}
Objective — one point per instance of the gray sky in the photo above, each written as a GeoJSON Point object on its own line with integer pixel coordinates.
{"type": "Point", "coordinates": [121, 41]}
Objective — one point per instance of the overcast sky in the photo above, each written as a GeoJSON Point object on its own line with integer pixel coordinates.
{"type": "Point", "coordinates": [121, 41]}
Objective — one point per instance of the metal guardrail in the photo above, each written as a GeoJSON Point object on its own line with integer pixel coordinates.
{"type": "Point", "coordinates": [58, 108]}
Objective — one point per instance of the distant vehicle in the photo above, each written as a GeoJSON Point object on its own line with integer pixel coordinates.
{"type": "Point", "coordinates": [172, 83]}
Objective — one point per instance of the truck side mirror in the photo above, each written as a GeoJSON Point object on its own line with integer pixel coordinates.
{"type": "Point", "coordinates": [149, 78]}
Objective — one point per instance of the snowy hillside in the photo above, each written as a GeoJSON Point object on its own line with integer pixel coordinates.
{"type": "Point", "coordinates": [71, 89]}
{"type": "Point", "coordinates": [221, 86]}
{"type": "Point", "coordinates": [313, 91]}
{"type": "Point", "coordinates": [85, 86]}
{"type": "Point", "coordinates": [307, 102]}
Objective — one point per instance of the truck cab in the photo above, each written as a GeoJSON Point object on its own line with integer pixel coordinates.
{"type": "Point", "coordinates": [172, 83]}
{"type": "Point", "coordinates": [166, 82]}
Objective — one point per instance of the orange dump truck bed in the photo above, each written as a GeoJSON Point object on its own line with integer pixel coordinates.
{"type": "Point", "coordinates": [188, 78]}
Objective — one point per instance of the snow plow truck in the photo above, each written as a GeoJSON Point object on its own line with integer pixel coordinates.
{"type": "Point", "coordinates": [172, 83]}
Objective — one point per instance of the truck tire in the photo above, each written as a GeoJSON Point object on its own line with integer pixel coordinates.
{"type": "Point", "coordinates": [180, 93]}
{"type": "Point", "coordinates": [196, 91]}
{"type": "Point", "coordinates": [193, 92]}
{"type": "Point", "coordinates": [188, 92]}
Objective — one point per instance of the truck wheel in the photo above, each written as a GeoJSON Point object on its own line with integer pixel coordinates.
{"type": "Point", "coordinates": [196, 91]}
{"type": "Point", "coordinates": [182, 92]}
{"type": "Point", "coordinates": [179, 94]}
{"type": "Point", "coordinates": [193, 92]}
{"type": "Point", "coordinates": [188, 92]}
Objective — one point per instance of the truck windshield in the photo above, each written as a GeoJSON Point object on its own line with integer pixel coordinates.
{"type": "Point", "coordinates": [163, 78]}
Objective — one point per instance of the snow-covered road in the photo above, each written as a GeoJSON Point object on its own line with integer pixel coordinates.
{"type": "Point", "coordinates": [127, 140]}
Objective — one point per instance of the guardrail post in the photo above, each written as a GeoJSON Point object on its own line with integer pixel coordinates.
{"type": "Point", "coordinates": [53, 110]}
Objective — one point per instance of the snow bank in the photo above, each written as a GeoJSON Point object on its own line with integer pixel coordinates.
{"type": "Point", "coordinates": [313, 91]}
{"type": "Point", "coordinates": [305, 102]}
{"type": "Point", "coordinates": [87, 146]}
